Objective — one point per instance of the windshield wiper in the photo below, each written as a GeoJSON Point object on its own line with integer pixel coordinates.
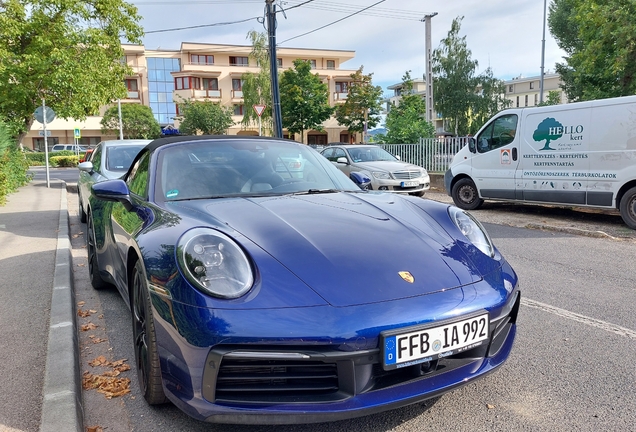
{"type": "Point", "coordinates": [316, 191]}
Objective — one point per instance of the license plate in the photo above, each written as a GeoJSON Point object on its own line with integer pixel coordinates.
{"type": "Point", "coordinates": [410, 184]}
{"type": "Point", "coordinates": [409, 346]}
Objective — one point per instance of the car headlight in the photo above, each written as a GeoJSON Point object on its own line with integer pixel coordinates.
{"type": "Point", "coordinates": [473, 230]}
{"type": "Point", "coordinates": [380, 175]}
{"type": "Point", "coordinates": [214, 263]}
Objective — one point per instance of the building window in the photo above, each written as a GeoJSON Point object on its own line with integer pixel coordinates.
{"type": "Point", "coordinates": [511, 88]}
{"type": "Point", "coordinates": [131, 85]}
{"type": "Point", "coordinates": [331, 64]}
{"type": "Point", "coordinates": [536, 99]}
{"type": "Point", "coordinates": [517, 101]}
{"type": "Point", "coordinates": [342, 87]}
{"type": "Point", "coordinates": [312, 63]}
{"type": "Point", "coordinates": [279, 62]}
{"type": "Point", "coordinates": [239, 61]}
{"type": "Point", "coordinates": [182, 83]}
{"type": "Point", "coordinates": [210, 83]}
{"type": "Point", "coordinates": [161, 84]}
{"type": "Point", "coordinates": [526, 103]}
{"type": "Point", "coordinates": [202, 59]}
{"type": "Point", "coordinates": [531, 85]}
{"type": "Point", "coordinates": [237, 84]}
{"type": "Point", "coordinates": [238, 109]}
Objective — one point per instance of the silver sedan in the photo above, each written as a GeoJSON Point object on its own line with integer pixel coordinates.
{"type": "Point", "coordinates": [387, 173]}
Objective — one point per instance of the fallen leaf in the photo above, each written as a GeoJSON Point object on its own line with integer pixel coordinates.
{"type": "Point", "coordinates": [110, 387]}
{"type": "Point", "coordinates": [94, 429]}
{"type": "Point", "coordinates": [87, 327]}
{"type": "Point", "coordinates": [83, 313]}
{"type": "Point", "coordinates": [99, 361]}
{"type": "Point", "coordinates": [81, 265]}
{"type": "Point", "coordinates": [82, 303]}
{"type": "Point", "coordinates": [99, 340]}
{"type": "Point", "coordinates": [92, 311]}
{"type": "Point", "coordinates": [490, 406]}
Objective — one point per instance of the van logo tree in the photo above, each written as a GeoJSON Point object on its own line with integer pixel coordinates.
{"type": "Point", "coordinates": [548, 130]}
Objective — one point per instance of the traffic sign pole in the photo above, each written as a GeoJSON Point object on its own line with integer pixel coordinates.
{"type": "Point", "coordinates": [46, 145]}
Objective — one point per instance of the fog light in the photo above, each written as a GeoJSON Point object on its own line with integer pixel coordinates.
{"type": "Point", "coordinates": [386, 188]}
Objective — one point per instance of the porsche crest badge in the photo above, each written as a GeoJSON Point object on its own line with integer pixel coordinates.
{"type": "Point", "coordinates": [407, 276]}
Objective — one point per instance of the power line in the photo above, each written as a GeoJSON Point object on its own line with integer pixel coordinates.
{"type": "Point", "coordinates": [334, 22]}
{"type": "Point", "coordinates": [201, 26]}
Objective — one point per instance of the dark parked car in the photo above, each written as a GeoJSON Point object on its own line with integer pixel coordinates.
{"type": "Point", "coordinates": [257, 298]}
{"type": "Point", "coordinates": [107, 160]}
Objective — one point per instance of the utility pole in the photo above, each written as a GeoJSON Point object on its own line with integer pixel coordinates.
{"type": "Point", "coordinates": [429, 68]}
{"type": "Point", "coordinates": [542, 54]}
{"type": "Point", "coordinates": [273, 66]}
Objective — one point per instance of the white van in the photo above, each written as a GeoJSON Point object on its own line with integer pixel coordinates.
{"type": "Point", "coordinates": [580, 154]}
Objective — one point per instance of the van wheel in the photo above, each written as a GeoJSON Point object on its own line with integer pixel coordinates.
{"type": "Point", "coordinates": [465, 195]}
{"type": "Point", "coordinates": [628, 208]}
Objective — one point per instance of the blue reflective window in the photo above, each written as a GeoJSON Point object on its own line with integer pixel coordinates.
{"type": "Point", "coordinates": [151, 62]}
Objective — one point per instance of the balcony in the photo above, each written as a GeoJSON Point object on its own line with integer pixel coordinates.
{"type": "Point", "coordinates": [340, 96]}
{"type": "Point", "coordinates": [207, 94]}
{"type": "Point", "coordinates": [237, 94]}
{"type": "Point", "coordinates": [133, 95]}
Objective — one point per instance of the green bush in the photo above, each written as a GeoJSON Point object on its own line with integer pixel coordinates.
{"type": "Point", "coordinates": [35, 158]}
{"type": "Point", "coordinates": [64, 161]}
{"type": "Point", "coordinates": [13, 166]}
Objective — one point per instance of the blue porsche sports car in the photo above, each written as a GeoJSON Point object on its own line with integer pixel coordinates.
{"type": "Point", "coordinates": [265, 295]}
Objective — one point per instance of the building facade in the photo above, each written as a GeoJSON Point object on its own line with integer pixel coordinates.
{"type": "Point", "coordinates": [161, 78]}
{"type": "Point", "coordinates": [525, 92]}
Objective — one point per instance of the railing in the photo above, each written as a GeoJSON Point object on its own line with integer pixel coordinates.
{"type": "Point", "coordinates": [207, 94]}
{"type": "Point", "coordinates": [434, 154]}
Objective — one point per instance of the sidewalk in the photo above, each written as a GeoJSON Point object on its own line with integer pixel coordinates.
{"type": "Point", "coordinates": [38, 343]}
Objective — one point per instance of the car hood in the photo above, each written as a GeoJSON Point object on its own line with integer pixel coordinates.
{"type": "Point", "coordinates": [350, 248]}
{"type": "Point", "coordinates": [389, 166]}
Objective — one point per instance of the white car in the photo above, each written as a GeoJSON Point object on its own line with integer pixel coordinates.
{"type": "Point", "coordinates": [387, 173]}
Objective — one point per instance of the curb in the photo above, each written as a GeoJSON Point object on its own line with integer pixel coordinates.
{"type": "Point", "coordinates": [62, 403]}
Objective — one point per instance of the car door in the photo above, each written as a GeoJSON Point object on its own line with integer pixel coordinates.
{"type": "Point", "coordinates": [494, 165]}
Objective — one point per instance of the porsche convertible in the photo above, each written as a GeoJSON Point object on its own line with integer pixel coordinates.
{"type": "Point", "coordinates": [268, 296]}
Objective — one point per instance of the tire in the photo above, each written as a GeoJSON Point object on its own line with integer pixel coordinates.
{"type": "Point", "coordinates": [628, 208]}
{"type": "Point", "coordinates": [465, 195]}
{"type": "Point", "coordinates": [82, 213]}
{"type": "Point", "coordinates": [93, 267]}
{"type": "Point", "coordinates": [418, 194]}
{"type": "Point", "coordinates": [146, 357]}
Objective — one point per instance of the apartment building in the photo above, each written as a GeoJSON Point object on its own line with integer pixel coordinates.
{"type": "Point", "coordinates": [525, 92]}
{"type": "Point", "coordinates": [197, 71]}
{"type": "Point", "coordinates": [419, 88]}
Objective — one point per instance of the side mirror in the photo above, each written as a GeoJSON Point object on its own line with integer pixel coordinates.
{"type": "Point", "coordinates": [361, 180]}
{"type": "Point", "coordinates": [398, 157]}
{"type": "Point", "coordinates": [342, 160]}
{"type": "Point", "coordinates": [86, 167]}
{"type": "Point", "coordinates": [472, 145]}
{"type": "Point", "coordinates": [113, 190]}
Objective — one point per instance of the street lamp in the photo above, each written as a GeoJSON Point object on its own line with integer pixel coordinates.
{"type": "Point", "coordinates": [429, 68]}
{"type": "Point", "coordinates": [542, 53]}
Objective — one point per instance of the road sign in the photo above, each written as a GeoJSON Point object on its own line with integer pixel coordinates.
{"type": "Point", "coordinates": [77, 133]}
{"type": "Point", "coordinates": [50, 114]}
{"type": "Point", "coordinates": [259, 109]}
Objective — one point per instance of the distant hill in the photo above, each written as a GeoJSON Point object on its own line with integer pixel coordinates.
{"type": "Point", "coordinates": [377, 131]}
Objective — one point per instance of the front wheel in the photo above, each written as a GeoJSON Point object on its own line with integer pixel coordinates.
{"type": "Point", "coordinates": [417, 194]}
{"type": "Point", "coordinates": [628, 208]}
{"type": "Point", "coordinates": [465, 195]}
{"type": "Point", "coordinates": [146, 357]}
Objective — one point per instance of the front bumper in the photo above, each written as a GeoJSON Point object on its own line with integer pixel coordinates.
{"type": "Point", "coordinates": [391, 185]}
{"type": "Point", "coordinates": [316, 379]}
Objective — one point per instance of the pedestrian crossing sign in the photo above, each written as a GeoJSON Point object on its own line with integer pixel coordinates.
{"type": "Point", "coordinates": [77, 133]}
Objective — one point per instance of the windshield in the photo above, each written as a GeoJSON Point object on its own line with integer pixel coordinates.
{"type": "Point", "coordinates": [243, 168]}
{"type": "Point", "coordinates": [119, 158]}
{"type": "Point", "coordinates": [370, 154]}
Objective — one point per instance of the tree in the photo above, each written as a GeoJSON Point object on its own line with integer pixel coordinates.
{"type": "Point", "coordinates": [304, 99]}
{"type": "Point", "coordinates": [455, 80]}
{"type": "Point", "coordinates": [406, 121]}
{"type": "Point", "coordinates": [488, 101]}
{"type": "Point", "coordinates": [67, 52]}
{"type": "Point", "coordinates": [361, 110]}
{"type": "Point", "coordinates": [206, 118]}
{"type": "Point", "coordinates": [548, 130]}
{"type": "Point", "coordinates": [257, 88]}
{"type": "Point", "coordinates": [554, 98]}
{"type": "Point", "coordinates": [599, 39]}
{"type": "Point", "coordinates": [137, 120]}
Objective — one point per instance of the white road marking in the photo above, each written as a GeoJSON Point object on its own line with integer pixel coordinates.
{"type": "Point", "coordinates": [603, 325]}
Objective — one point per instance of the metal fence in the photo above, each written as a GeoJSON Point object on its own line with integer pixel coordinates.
{"type": "Point", "coordinates": [434, 154]}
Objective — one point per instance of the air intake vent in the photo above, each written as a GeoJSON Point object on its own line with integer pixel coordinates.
{"type": "Point", "coordinates": [275, 380]}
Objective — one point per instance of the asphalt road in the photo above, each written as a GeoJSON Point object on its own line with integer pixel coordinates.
{"type": "Point", "coordinates": [572, 367]}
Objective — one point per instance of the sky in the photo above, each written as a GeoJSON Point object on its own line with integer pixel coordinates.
{"type": "Point", "coordinates": [388, 38]}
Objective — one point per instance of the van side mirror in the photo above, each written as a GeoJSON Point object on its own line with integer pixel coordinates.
{"type": "Point", "coordinates": [472, 145]}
